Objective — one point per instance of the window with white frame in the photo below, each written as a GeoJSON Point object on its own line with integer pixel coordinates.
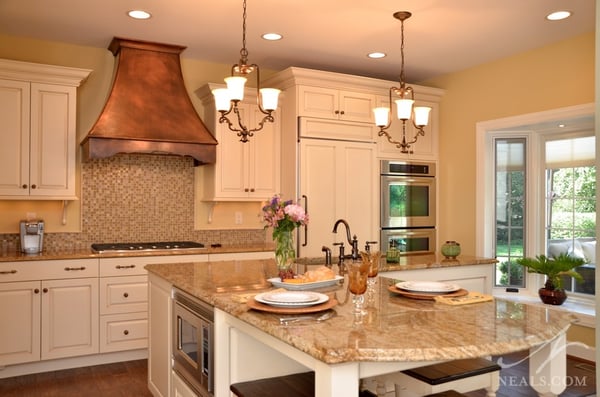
{"type": "Point", "coordinates": [533, 172]}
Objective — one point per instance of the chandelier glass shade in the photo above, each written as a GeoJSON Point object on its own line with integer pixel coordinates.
{"type": "Point", "coordinates": [404, 98]}
{"type": "Point", "coordinates": [227, 99]}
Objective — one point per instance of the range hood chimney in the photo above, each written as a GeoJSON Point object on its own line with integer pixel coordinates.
{"type": "Point", "coordinates": [149, 110]}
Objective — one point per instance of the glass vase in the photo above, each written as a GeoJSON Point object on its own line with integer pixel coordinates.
{"type": "Point", "coordinates": [285, 254]}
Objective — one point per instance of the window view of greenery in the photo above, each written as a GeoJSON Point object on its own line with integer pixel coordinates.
{"type": "Point", "coordinates": [571, 220]}
{"type": "Point", "coordinates": [510, 211]}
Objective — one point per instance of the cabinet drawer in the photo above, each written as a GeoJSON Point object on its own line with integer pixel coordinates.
{"type": "Point", "coordinates": [48, 270]}
{"type": "Point", "coordinates": [123, 332]}
{"type": "Point", "coordinates": [122, 266]}
{"type": "Point", "coordinates": [123, 294]}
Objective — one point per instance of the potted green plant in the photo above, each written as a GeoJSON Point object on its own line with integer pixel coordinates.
{"type": "Point", "coordinates": [554, 269]}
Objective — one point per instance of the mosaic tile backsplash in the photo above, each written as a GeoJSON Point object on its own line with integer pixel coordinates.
{"type": "Point", "coordinates": [136, 198]}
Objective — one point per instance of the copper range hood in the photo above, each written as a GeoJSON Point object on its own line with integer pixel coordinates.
{"type": "Point", "coordinates": [148, 109]}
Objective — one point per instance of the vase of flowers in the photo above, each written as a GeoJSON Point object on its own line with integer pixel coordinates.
{"type": "Point", "coordinates": [284, 217]}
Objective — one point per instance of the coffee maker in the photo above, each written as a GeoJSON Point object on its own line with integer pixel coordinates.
{"type": "Point", "coordinates": [32, 236]}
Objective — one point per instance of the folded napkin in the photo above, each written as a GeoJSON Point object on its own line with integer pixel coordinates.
{"type": "Point", "coordinates": [471, 297]}
{"type": "Point", "coordinates": [243, 298]}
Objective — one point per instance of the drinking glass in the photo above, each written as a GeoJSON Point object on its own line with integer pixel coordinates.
{"type": "Point", "coordinates": [371, 259]}
{"type": "Point", "coordinates": [358, 272]}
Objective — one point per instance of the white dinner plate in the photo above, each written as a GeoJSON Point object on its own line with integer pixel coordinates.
{"type": "Point", "coordinates": [290, 297]}
{"type": "Point", "coordinates": [304, 286]}
{"type": "Point", "coordinates": [427, 286]}
{"type": "Point", "coordinates": [322, 298]}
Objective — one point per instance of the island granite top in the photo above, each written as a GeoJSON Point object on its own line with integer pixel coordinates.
{"type": "Point", "coordinates": [395, 328]}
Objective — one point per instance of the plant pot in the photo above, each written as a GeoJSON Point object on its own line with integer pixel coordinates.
{"type": "Point", "coordinates": [552, 296]}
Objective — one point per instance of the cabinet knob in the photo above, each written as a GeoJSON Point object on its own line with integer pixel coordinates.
{"type": "Point", "coordinates": [252, 190]}
{"type": "Point", "coordinates": [337, 112]}
{"type": "Point", "coordinates": [126, 295]}
{"type": "Point", "coordinates": [126, 332]}
{"type": "Point", "coordinates": [45, 290]}
{"type": "Point", "coordinates": [342, 112]}
{"type": "Point", "coordinates": [246, 190]}
{"type": "Point", "coordinates": [33, 186]}
{"type": "Point", "coordinates": [24, 186]}
{"type": "Point", "coordinates": [36, 291]}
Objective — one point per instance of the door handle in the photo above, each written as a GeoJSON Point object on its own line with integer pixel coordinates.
{"type": "Point", "coordinates": [305, 243]}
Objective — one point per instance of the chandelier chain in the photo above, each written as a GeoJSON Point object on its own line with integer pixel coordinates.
{"type": "Point", "coordinates": [244, 51]}
{"type": "Point", "coordinates": [402, 80]}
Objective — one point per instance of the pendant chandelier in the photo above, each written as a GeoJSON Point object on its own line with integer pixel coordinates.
{"type": "Point", "coordinates": [419, 115]}
{"type": "Point", "coordinates": [227, 99]}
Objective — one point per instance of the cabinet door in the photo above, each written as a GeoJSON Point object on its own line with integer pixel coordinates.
{"type": "Point", "coordinates": [20, 330]}
{"type": "Point", "coordinates": [356, 106]}
{"type": "Point", "coordinates": [52, 161]}
{"type": "Point", "coordinates": [14, 137]}
{"type": "Point", "coordinates": [70, 318]}
{"type": "Point", "coordinates": [247, 171]}
{"type": "Point", "coordinates": [335, 104]}
{"type": "Point", "coordinates": [340, 180]}
{"type": "Point", "coordinates": [426, 147]}
{"type": "Point", "coordinates": [263, 161]}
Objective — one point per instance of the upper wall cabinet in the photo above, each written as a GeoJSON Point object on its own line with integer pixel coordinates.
{"type": "Point", "coordinates": [340, 97]}
{"type": "Point", "coordinates": [243, 171]}
{"type": "Point", "coordinates": [335, 104]}
{"type": "Point", "coordinates": [38, 130]}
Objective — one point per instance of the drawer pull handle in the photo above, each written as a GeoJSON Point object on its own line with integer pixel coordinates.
{"type": "Point", "coordinates": [45, 290]}
{"type": "Point", "coordinates": [36, 291]}
{"type": "Point", "coordinates": [74, 268]}
{"type": "Point", "coordinates": [126, 332]}
{"type": "Point", "coordinates": [8, 271]}
{"type": "Point", "coordinates": [126, 295]}
{"type": "Point", "coordinates": [125, 266]}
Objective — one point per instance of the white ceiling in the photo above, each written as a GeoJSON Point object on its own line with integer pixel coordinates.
{"type": "Point", "coordinates": [442, 35]}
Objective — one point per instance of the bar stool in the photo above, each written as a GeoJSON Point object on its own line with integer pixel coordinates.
{"type": "Point", "coordinates": [459, 376]}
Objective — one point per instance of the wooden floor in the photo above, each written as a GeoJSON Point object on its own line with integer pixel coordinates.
{"type": "Point", "coordinates": [128, 379]}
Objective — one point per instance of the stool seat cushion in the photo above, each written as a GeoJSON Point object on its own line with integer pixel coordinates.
{"type": "Point", "coordinates": [295, 385]}
{"type": "Point", "coordinates": [436, 374]}
{"type": "Point", "coordinates": [448, 393]}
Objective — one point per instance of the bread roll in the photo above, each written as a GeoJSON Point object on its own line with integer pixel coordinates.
{"type": "Point", "coordinates": [321, 273]}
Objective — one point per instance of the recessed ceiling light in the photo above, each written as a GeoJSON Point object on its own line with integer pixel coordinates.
{"type": "Point", "coordinates": [139, 14]}
{"type": "Point", "coordinates": [272, 36]}
{"type": "Point", "coordinates": [561, 126]}
{"type": "Point", "coordinates": [377, 55]}
{"type": "Point", "coordinates": [558, 15]}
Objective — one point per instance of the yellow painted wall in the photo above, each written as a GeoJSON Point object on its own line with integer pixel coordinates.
{"type": "Point", "coordinates": [551, 77]}
{"type": "Point", "coordinates": [91, 98]}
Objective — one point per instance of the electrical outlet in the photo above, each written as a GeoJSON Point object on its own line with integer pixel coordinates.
{"type": "Point", "coordinates": [239, 218]}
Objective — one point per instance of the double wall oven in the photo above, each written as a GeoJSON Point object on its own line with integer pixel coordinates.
{"type": "Point", "coordinates": [408, 206]}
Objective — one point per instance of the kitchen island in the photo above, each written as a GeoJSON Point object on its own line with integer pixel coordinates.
{"type": "Point", "coordinates": [397, 333]}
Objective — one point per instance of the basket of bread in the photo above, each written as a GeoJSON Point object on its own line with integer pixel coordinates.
{"type": "Point", "coordinates": [316, 278]}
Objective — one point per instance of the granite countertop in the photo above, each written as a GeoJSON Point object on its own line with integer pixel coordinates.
{"type": "Point", "coordinates": [13, 256]}
{"type": "Point", "coordinates": [395, 328]}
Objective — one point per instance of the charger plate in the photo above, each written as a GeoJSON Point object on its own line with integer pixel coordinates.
{"type": "Point", "coordinates": [425, 296]}
{"type": "Point", "coordinates": [254, 304]}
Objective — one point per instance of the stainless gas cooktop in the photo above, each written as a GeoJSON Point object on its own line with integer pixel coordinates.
{"type": "Point", "coordinates": [155, 246]}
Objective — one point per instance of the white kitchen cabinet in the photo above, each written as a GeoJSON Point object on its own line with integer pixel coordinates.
{"type": "Point", "coordinates": [329, 103]}
{"type": "Point", "coordinates": [426, 147]}
{"type": "Point", "coordinates": [243, 171]}
{"type": "Point", "coordinates": [20, 304]}
{"type": "Point", "coordinates": [160, 333]}
{"type": "Point", "coordinates": [339, 180]}
{"type": "Point", "coordinates": [179, 388]}
{"type": "Point", "coordinates": [38, 131]}
{"type": "Point", "coordinates": [479, 278]}
{"type": "Point", "coordinates": [53, 307]}
{"type": "Point", "coordinates": [69, 317]}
